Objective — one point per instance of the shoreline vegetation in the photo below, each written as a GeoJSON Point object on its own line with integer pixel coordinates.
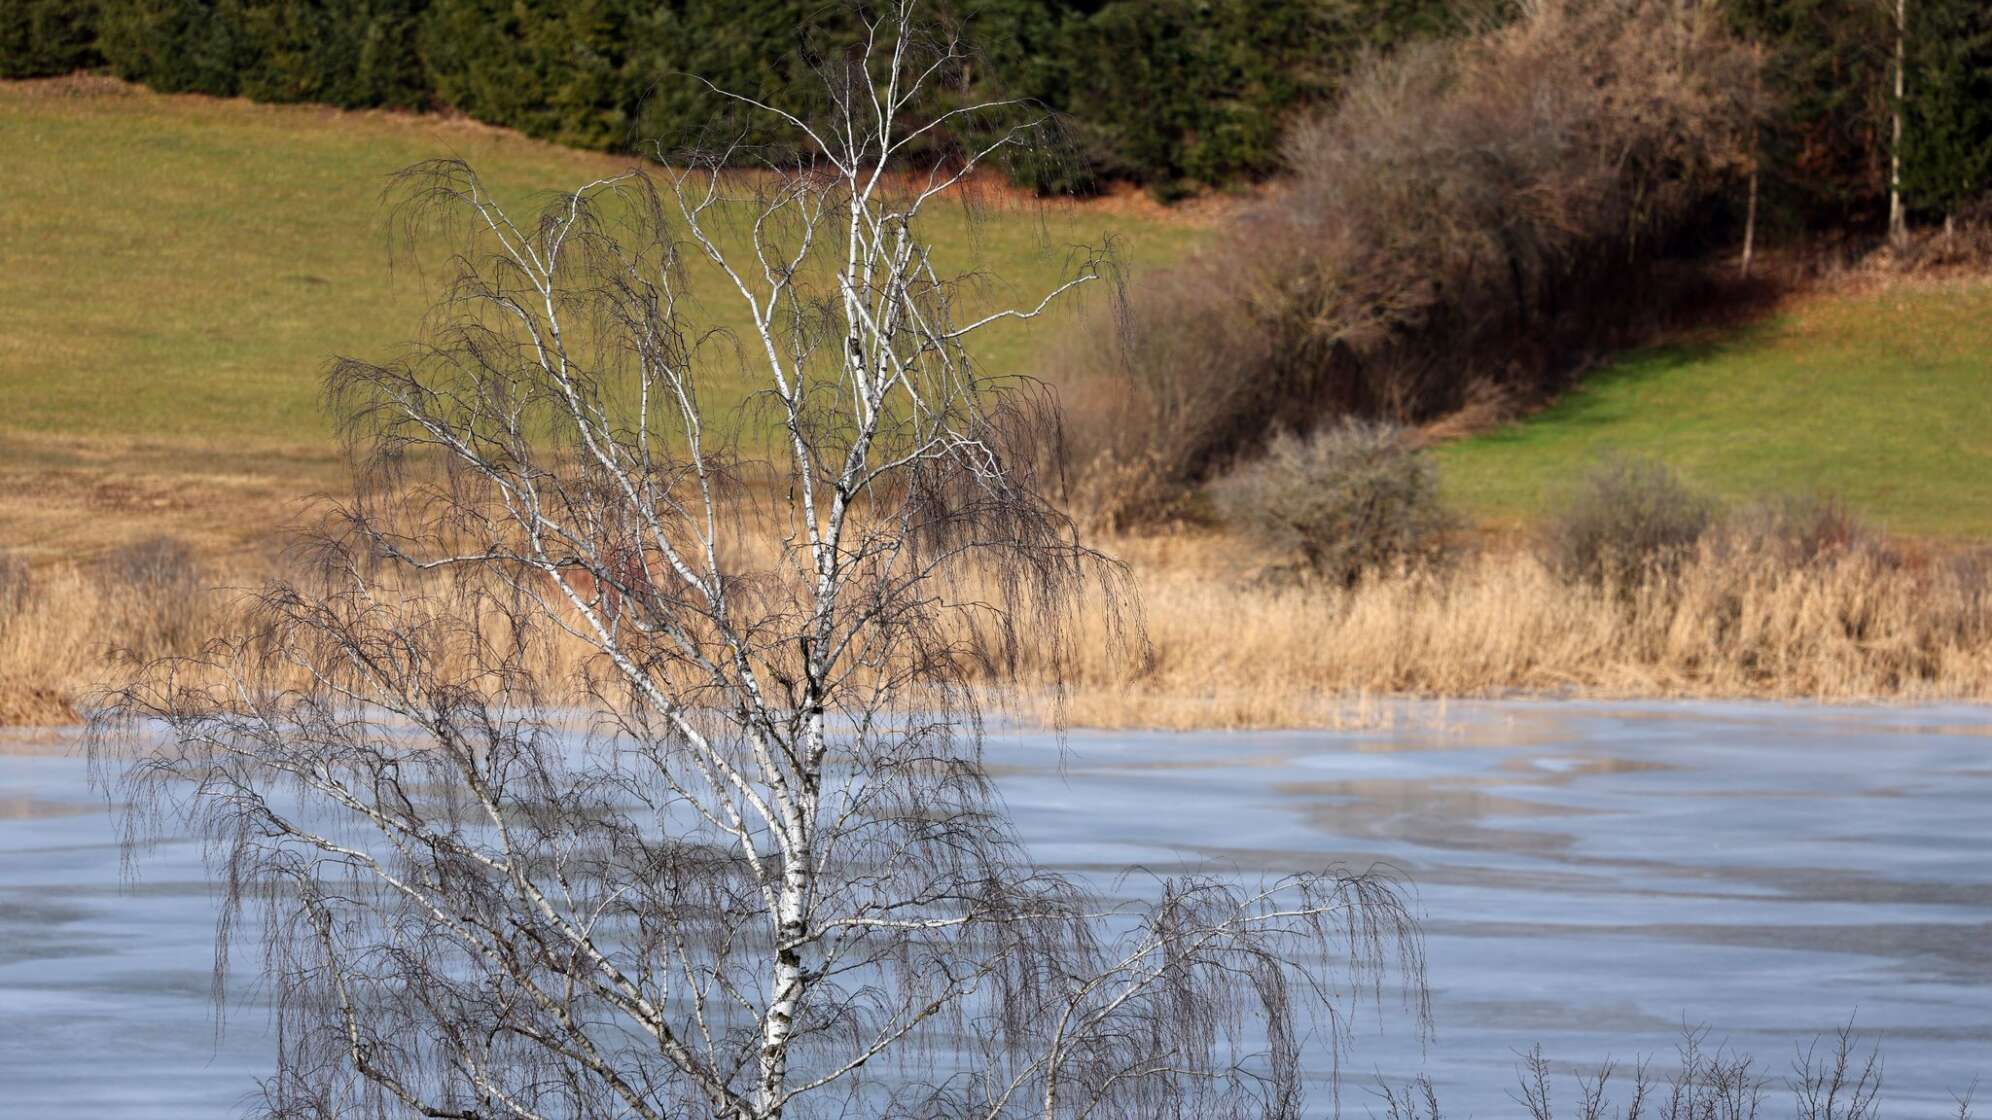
{"type": "Point", "coordinates": [1234, 643]}
{"type": "Point", "coordinates": [1231, 651]}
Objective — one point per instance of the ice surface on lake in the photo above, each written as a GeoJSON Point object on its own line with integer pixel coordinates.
{"type": "Point", "coordinates": [1591, 875]}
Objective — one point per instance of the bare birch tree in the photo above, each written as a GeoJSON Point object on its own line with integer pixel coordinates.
{"type": "Point", "coordinates": [759, 871]}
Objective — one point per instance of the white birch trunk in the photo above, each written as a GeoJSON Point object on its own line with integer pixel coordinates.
{"type": "Point", "coordinates": [1898, 224]}
{"type": "Point", "coordinates": [1750, 224]}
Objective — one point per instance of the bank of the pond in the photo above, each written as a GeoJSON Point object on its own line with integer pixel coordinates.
{"type": "Point", "coordinates": [1227, 646]}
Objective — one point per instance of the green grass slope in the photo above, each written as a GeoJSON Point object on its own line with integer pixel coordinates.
{"type": "Point", "coordinates": [180, 270]}
{"type": "Point", "coordinates": [1882, 398]}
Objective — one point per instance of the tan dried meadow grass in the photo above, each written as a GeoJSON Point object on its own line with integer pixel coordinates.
{"type": "Point", "coordinates": [1227, 648]}
{"type": "Point", "coordinates": [65, 629]}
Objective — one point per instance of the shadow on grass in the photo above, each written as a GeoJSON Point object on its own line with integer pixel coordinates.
{"type": "Point", "coordinates": [1612, 393]}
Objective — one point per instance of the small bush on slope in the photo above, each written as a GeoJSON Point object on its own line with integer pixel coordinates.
{"type": "Point", "coordinates": [1351, 499]}
{"type": "Point", "coordinates": [1627, 519]}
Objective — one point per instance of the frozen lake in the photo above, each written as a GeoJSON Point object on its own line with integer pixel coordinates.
{"type": "Point", "coordinates": [1590, 875]}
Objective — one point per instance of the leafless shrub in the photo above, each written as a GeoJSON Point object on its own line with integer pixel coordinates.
{"type": "Point", "coordinates": [1594, 1102]}
{"type": "Point", "coordinates": [1627, 518]}
{"type": "Point", "coordinates": [1961, 244]}
{"type": "Point", "coordinates": [1533, 1092]}
{"type": "Point", "coordinates": [1833, 1078]}
{"type": "Point", "coordinates": [762, 871]}
{"type": "Point", "coordinates": [155, 564]}
{"type": "Point", "coordinates": [1716, 1084]}
{"type": "Point", "coordinates": [1149, 396]}
{"type": "Point", "coordinates": [17, 583]}
{"type": "Point", "coordinates": [163, 604]}
{"type": "Point", "coordinates": [1797, 529]}
{"type": "Point", "coordinates": [1839, 1082]}
{"type": "Point", "coordinates": [1593, 1096]}
{"type": "Point", "coordinates": [1354, 498]}
{"type": "Point", "coordinates": [1488, 212]}
{"type": "Point", "coordinates": [1417, 1100]}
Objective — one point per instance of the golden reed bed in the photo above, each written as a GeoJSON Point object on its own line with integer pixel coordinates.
{"type": "Point", "coordinates": [1228, 648]}
{"type": "Point", "coordinates": [1232, 650]}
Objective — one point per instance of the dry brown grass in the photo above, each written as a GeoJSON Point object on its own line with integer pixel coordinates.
{"type": "Point", "coordinates": [71, 631]}
{"type": "Point", "coordinates": [75, 498]}
{"type": "Point", "coordinates": [65, 628]}
{"type": "Point", "coordinates": [1229, 649]}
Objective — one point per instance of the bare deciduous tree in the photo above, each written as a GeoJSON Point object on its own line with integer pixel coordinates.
{"type": "Point", "coordinates": [759, 870]}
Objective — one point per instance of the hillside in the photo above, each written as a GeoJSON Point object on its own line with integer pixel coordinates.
{"type": "Point", "coordinates": [181, 269]}
{"type": "Point", "coordinates": [184, 268]}
{"type": "Point", "coordinates": [1881, 396]}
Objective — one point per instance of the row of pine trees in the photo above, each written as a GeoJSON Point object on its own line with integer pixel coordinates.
{"type": "Point", "coordinates": [1170, 93]}
{"type": "Point", "coordinates": [1831, 68]}
{"type": "Point", "coordinates": [1174, 94]}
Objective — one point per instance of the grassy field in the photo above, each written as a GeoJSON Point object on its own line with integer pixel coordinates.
{"type": "Point", "coordinates": [1882, 397]}
{"type": "Point", "coordinates": [180, 271]}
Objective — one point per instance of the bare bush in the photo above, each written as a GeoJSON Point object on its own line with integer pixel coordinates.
{"type": "Point", "coordinates": [1625, 520]}
{"type": "Point", "coordinates": [1707, 1084]}
{"type": "Point", "coordinates": [1963, 244]}
{"type": "Point", "coordinates": [1835, 1077]}
{"type": "Point", "coordinates": [17, 582]}
{"type": "Point", "coordinates": [1838, 1082]}
{"type": "Point", "coordinates": [1488, 212]}
{"type": "Point", "coordinates": [1797, 529]}
{"type": "Point", "coordinates": [1355, 498]}
{"type": "Point", "coordinates": [163, 604]}
{"type": "Point", "coordinates": [157, 563]}
{"type": "Point", "coordinates": [1147, 397]}
{"type": "Point", "coordinates": [1417, 1100]}
{"type": "Point", "coordinates": [762, 871]}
